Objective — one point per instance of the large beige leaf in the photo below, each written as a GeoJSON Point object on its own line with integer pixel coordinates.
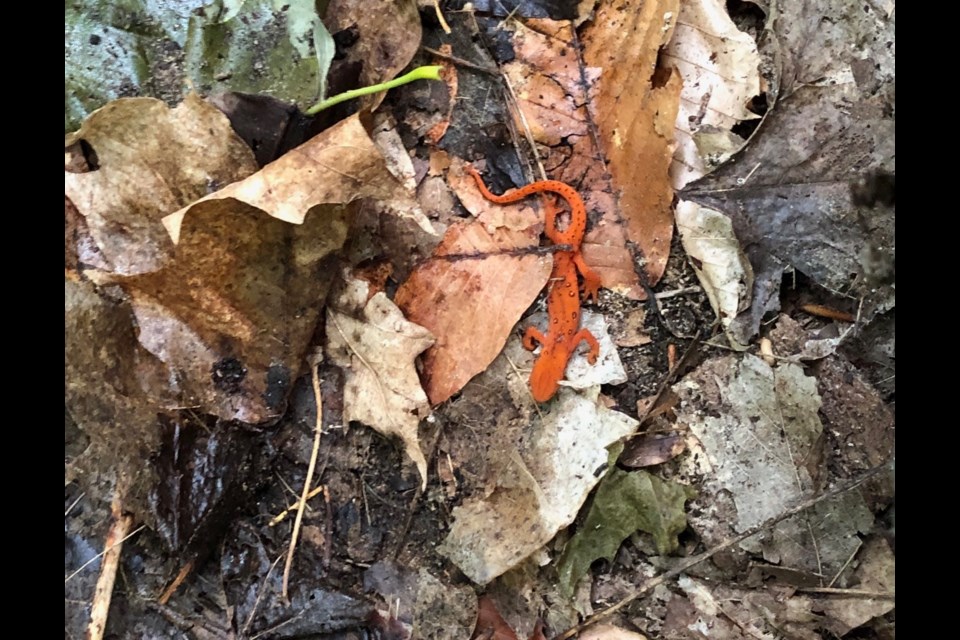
{"type": "Point", "coordinates": [151, 161]}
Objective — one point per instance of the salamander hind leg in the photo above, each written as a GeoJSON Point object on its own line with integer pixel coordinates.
{"type": "Point", "coordinates": [532, 337]}
{"type": "Point", "coordinates": [591, 281]}
{"type": "Point", "coordinates": [584, 335]}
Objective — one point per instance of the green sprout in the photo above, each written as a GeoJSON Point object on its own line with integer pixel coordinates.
{"type": "Point", "coordinates": [431, 72]}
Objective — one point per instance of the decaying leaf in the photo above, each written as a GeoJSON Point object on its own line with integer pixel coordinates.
{"type": "Point", "coordinates": [760, 435]}
{"type": "Point", "coordinates": [473, 290]}
{"type": "Point", "coordinates": [233, 311]}
{"type": "Point", "coordinates": [720, 264]}
{"type": "Point", "coordinates": [252, 586]}
{"type": "Point", "coordinates": [636, 111]}
{"type": "Point", "coordinates": [104, 378]}
{"type": "Point", "coordinates": [625, 502]}
{"type": "Point", "coordinates": [492, 626]}
{"type": "Point", "coordinates": [543, 474]}
{"type": "Point", "coordinates": [875, 573]}
{"type": "Point", "coordinates": [720, 67]}
{"type": "Point", "coordinates": [151, 161]}
{"type": "Point", "coordinates": [789, 192]}
{"type": "Point", "coordinates": [376, 346]}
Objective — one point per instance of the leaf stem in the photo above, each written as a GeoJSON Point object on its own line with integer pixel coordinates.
{"type": "Point", "coordinates": [430, 72]}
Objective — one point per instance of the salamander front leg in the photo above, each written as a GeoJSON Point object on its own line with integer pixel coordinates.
{"type": "Point", "coordinates": [584, 335]}
{"type": "Point", "coordinates": [532, 337]}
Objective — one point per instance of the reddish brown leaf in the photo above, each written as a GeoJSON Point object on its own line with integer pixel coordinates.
{"type": "Point", "coordinates": [636, 109]}
{"type": "Point", "coordinates": [490, 624]}
{"type": "Point", "coordinates": [472, 292]}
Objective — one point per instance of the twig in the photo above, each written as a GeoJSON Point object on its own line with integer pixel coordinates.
{"type": "Point", "coordinates": [461, 62]}
{"type": "Point", "coordinates": [260, 592]}
{"type": "Point", "coordinates": [283, 514]}
{"type": "Point", "coordinates": [440, 18]}
{"type": "Point", "coordinates": [318, 431]}
{"type": "Point", "coordinates": [851, 593]}
{"type": "Point", "coordinates": [99, 555]}
{"type": "Point", "coordinates": [113, 546]}
{"type": "Point", "coordinates": [177, 581]}
{"type": "Point", "coordinates": [695, 560]}
{"type": "Point", "coordinates": [75, 502]}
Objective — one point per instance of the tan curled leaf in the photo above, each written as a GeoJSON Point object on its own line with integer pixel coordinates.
{"type": "Point", "coordinates": [720, 67]}
{"type": "Point", "coordinates": [376, 347]}
{"type": "Point", "coordinates": [340, 165]}
{"type": "Point", "coordinates": [152, 160]}
{"type": "Point", "coordinates": [719, 262]}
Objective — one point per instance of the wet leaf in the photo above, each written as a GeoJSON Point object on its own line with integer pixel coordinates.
{"type": "Point", "coordinates": [131, 47]}
{"type": "Point", "coordinates": [274, 47]}
{"type": "Point", "coordinates": [253, 585]}
{"type": "Point", "coordinates": [205, 474]}
{"type": "Point", "coordinates": [625, 502]}
{"type": "Point", "coordinates": [377, 346]}
{"type": "Point", "coordinates": [151, 161]}
{"type": "Point", "coordinates": [107, 387]}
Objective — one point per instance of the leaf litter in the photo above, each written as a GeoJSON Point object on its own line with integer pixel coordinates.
{"type": "Point", "coordinates": [488, 452]}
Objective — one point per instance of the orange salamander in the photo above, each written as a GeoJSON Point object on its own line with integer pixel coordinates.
{"type": "Point", "coordinates": [563, 299]}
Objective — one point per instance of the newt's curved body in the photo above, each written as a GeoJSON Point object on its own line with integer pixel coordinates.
{"type": "Point", "coordinates": [563, 299]}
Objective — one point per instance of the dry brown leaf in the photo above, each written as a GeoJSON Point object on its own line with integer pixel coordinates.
{"type": "Point", "coordinates": [720, 67]}
{"type": "Point", "coordinates": [631, 333]}
{"type": "Point", "coordinates": [152, 160]}
{"type": "Point", "coordinates": [340, 165]}
{"type": "Point", "coordinates": [472, 303]}
{"type": "Point", "coordinates": [636, 109]}
{"type": "Point", "coordinates": [376, 347]}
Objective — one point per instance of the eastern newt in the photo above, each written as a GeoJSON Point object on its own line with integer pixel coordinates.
{"type": "Point", "coordinates": [563, 299]}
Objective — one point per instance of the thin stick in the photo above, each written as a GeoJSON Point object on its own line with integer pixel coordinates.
{"type": "Point", "coordinates": [850, 593]}
{"type": "Point", "coordinates": [99, 555]}
{"type": "Point", "coordinates": [74, 503]}
{"type": "Point", "coordinates": [283, 514]}
{"type": "Point", "coordinates": [695, 560]}
{"type": "Point", "coordinates": [318, 431]}
{"type": "Point", "coordinates": [461, 62]}
{"type": "Point", "coordinates": [440, 18]}
{"type": "Point", "coordinates": [177, 581]}
{"type": "Point", "coordinates": [113, 544]}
